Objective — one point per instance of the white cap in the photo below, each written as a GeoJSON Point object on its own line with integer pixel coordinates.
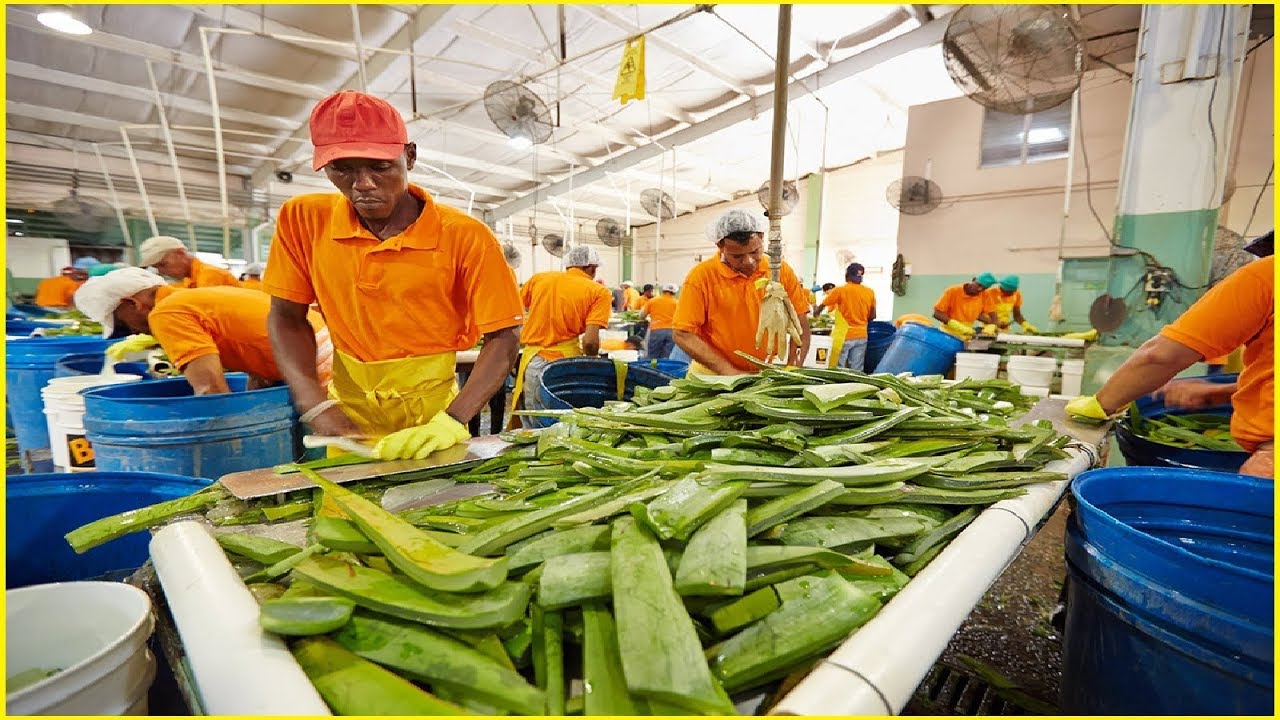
{"type": "Point", "coordinates": [733, 221]}
{"type": "Point", "coordinates": [99, 296]}
{"type": "Point", "coordinates": [153, 249]}
{"type": "Point", "coordinates": [582, 256]}
{"type": "Point", "coordinates": [627, 283]}
{"type": "Point", "coordinates": [669, 288]}
{"type": "Point", "coordinates": [254, 269]}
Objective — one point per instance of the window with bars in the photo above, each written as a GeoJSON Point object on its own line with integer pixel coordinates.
{"type": "Point", "coordinates": [1021, 139]}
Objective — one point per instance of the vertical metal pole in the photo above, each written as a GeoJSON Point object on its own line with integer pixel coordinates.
{"type": "Point", "coordinates": [115, 202]}
{"type": "Point", "coordinates": [173, 154]}
{"type": "Point", "coordinates": [779, 140]}
{"type": "Point", "coordinates": [359, 38]}
{"type": "Point", "coordinates": [137, 176]}
{"type": "Point", "coordinates": [217, 142]}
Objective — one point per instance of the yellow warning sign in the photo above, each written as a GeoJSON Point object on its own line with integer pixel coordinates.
{"type": "Point", "coordinates": [630, 84]}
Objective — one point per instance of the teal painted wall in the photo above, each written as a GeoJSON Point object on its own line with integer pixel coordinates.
{"type": "Point", "coordinates": [924, 290]}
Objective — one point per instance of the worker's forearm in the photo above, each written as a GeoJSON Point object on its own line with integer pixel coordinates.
{"type": "Point", "coordinates": [817, 310]}
{"type": "Point", "coordinates": [941, 317]}
{"type": "Point", "coordinates": [1147, 370]}
{"type": "Point", "coordinates": [293, 342]}
{"type": "Point", "coordinates": [205, 375]}
{"type": "Point", "coordinates": [702, 353]}
{"type": "Point", "coordinates": [805, 334]}
{"type": "Point", "coordinates": [491, 370]}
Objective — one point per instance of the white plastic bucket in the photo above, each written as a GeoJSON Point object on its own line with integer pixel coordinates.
{"type": "Point", "coordinates": [624, 355]}
{"type": "Point", "coordinates": [1072, 377]}
{"type": "Point", "coordinates": [64, 414]}
{"type": "Point", "coordinates": [977, 366]}
{"type": "Point", "coordinates": [1033, 371]}
{"type": "Point", "coordinates": [95, 633]}
{"type": "Point", "coordinates": [819, 351]}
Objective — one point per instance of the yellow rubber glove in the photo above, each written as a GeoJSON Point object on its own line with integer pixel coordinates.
{"type": "Point", "coordinates": [416, 443]}
{"type": "Point", "coordinates": [1088, 336]}
{"type": "Point", "coordinates": [965, 331]}
{"type": "Point", "coordinates": [131, 344]}
{"type": "Point", "coordinates": [1086, 408]}
{"type": "Point", "coordinates": [989, 329]}
{"type": "Point", "coordinates": [1029, 329]}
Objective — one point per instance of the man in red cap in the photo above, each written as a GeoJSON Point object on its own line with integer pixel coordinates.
{"type": "Point", "coordinates": [403, 283]}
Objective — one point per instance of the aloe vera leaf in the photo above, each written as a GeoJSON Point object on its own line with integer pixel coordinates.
{"type": "Point", "coordinates": [830, 397]}
{"type": "Point", "coordinates": [104, 530]}
{"type": "Point", "coordinates": [288, 511]}
{"type": "Point", "coordinates": [750, 456]}
{"type": "Point", "coordinates": [923, 559]}
{"type": "Point", "coordinates": [517, 501]}
{"type": "Point", "coordinates": [661, 654]}
{"type": "Point", "coordinates": [430, 563]}
{"type": "Point", "coordinates": [398, 597]}
{"type": "Point", "coordinates": [495, 538]}
{"type": "Point", "coordinates": [882, 587]}
{"type": "Point", "coordinates": [835, 531]}
{"type": "Point", "coordinates": [322, 463]}
{"type": "Point", "coordinates": [987, 481]}
{"type": "Point", "coordinates": [678, 512]}
{"type": "Point", "coordinates": [757, 579]}
{"type": "Point", "coordinates": [744, 611]}
{"type": "Point", "coordinates": [807, 417]}
{"type": "Point", "coordinates": [769, 557]}
{"type": "Point", "coordinates": [351, 685]}
{"type": "Point", "coordinates": [265, 550]}
{"type": "Point", "coordinates": [485, 641]}
{"type": "Point", "coordinates": [781, 509]}
{"type": "Point", "coordinates": [918, 448]}
{"type": "Point", "coordinates": [932, 496]}
{"type": "Point", "coordinates": [569, 580]}
{"type": "Point", "coordinates": [942, 533]}
{"type": "Point", "coordinates": [872, 494]}
{"type": "Point", "coordinates": [715, 559]}
{"type": "Point", "coordinates": [344, 535]}
{"type": "Point", "coordinates": [613, 507]}
{"type": "Point", "coordinates": [271, 572]}
{"type": "Point", "coordinates": [583, 539]}
{"type": "Point", "coordinates": [548, 657]}
{"type": "Point", "coordinates": [305, 615]}
{"type": "Point", "coordinates": [876, 473]}
{"type": "Point", "coordinates": [604, 684]}
{"type": "Point", "coordinates": [800, 628]}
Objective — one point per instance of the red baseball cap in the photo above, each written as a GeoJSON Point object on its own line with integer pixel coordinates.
{"type": "Point", "coordinates": [353, 124]}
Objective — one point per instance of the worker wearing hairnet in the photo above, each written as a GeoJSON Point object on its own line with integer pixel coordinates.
{"type": "Point", "coordinates": [660, 312]}
{"type": "Point", "coordinates": [961, 306]}
{"type": "Point", "coordinates": [204, 331]}
{"type": "Point", "coordinates": [630, 296]}
{"type": "Point", "coordinates": [57, 292]}
{"type": "Point", "coordinates": [718, 312]}
{"type": "Point", "coordinates": [404, 284]}
{"type": "Point", "coordinates": [251, 278]}
{"type": "Point", "coordinates": [1239, 310]}
{"type": "Point", "coordinates": [169, 256]}
{"type": "Point", "coordinates": [1005, 302]}
{"type": "Point", "coordinates": [854, 307]}
{"type": "Point", "coordinates": [562, 306]}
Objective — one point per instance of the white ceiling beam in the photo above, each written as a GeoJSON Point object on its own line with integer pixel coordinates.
{"type": "Point", "coordinates": [132, 92]}
{"type": "Point", "coordinates": [97, 122]}
{"type": "Point", "coordinates": [187, 61]}
{"type": "Point", "coordinates": [234, 17]}
{"type": "Point", "coordinates": [115, 150]}
{"type": "Point", "coordinates": [925, 36]}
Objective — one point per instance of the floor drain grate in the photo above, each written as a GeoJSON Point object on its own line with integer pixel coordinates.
{"type": "Point", "coordinates": [949, 691]}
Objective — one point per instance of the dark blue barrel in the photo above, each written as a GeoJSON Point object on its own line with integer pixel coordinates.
{"type": "Point", "coordinates": [1138, 450]}
{"type": "Point", "coordinates": [879, 338]}
{"type": "Point", "coordinates": [161, 426]}
{"type": "Point", "coordinates": [1170, 594]}
{"type": "Point", "coordinates": [24, 327]}
{"type": "Point", "coordinates": [43, 508]}
{"type": "Point", "coordinates": [666, 366]}
{"type": "Point", "coordinates": [91, 364]}
{"type": "Point", "coordinates": [29, 366]}
{"type": "Point", "coordinates": [920, 350]}
{"type": "Point", "coordinates": [590, 382]}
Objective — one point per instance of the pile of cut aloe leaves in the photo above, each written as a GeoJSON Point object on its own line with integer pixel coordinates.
{"type": "Point", "coordinates": [659, 556]}
{"type": "Point", "coordinates": [1195, 431]}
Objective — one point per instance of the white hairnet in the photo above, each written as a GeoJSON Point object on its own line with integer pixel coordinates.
{"type": "Point", "coordinates": [254, 269]}
{"type": "Point", "coordinates": [153, 249]}
{"type": "Point", "coordinates": [733, 221]}
{"type": "Point", "coordinates": [99, 296]}
{"type": "Point", "coordinates": [669, 288]}
{"type": "Point", "coordinates": [581, 256]}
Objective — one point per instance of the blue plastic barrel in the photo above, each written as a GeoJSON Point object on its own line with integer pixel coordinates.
{"type": "Point", "coordinates": [920, 350]}
{"type": "Point", "coordinates": [29, 366]}
{"type": "Point", "coordinates": [1170, 594]}
{"type": "Point", "coordinates": [43, 508]}
{"type": "Point", "coordinates": [91, 364]}
{"type": "Point", "coordinates": [1141, 451]}
{"type": "Point", "coordinates": [666, 366]}
{"type": "Point", "coordinates": [590, 382]}
{"type": "Point", "coordinates": [24, 327]}
{"type": "Point", "coordinates": [161, 426]}
{"type": "Point", "coordinates": [879, 338]}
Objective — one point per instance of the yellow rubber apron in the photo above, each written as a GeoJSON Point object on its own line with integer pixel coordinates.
{"type": "Point", "coordinates": [1004, 313]}
{"type": "Point", "coordinates": [839, 331]}
{"type": "Point", "coordinates": [568, 348]}
{"type": "Point", "coordinates": [389, 395]}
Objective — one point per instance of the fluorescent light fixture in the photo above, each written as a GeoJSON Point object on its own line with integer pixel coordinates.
{"type": "Point", "coordinates": [520, 142]}
{"type": "Point", "coordinates": [63, 22]}
{"type": "Point", "coordinates": [18, 234]}
{"type": "Point", "coordinates": [1036, 136]}
{"type": "Point", "coordinates": [13, 221]}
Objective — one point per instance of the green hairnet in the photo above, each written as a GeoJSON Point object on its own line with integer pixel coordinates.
{"type": "Point", "coordinates": [102, 269]}
{"type": "Point", "coordinates": [1009, 283]}
{"type": "Point", "coordinates": [986, 279]}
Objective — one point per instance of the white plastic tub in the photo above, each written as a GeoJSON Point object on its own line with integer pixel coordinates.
{"type": "Point", "coordinates": [977, 366]}
{"type": "Point", "coordinates": [1033, 371]}
{"type": "Point", "coordinates": [1072, 377]}
{"type": "Point", "coordinates": [819, 351]}
{"type": "Point", "coordinates": [64, 414]}
{"type": "Point", "coordinates": [94, 633]}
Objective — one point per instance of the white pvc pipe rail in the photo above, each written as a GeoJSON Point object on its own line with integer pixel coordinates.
{"type": "Point", "coordinates": [878, 668]}
{"type": "Point", "coordinates": [238, 668]}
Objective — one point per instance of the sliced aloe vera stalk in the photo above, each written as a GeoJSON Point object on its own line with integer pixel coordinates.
{"type": "Point", "coordinates": [351, 685]}
{"type": "Point", "coordinates": [305, 615]}
{"type": "Point", "coordinates": [265, 550]}
{"type": "Point", "coordinates": [715, 560]}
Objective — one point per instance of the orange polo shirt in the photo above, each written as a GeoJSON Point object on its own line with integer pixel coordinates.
{"type": "Point", "coordinates": [230, 322]}
{"type": "Point", "coordinates": [1239, 311]}
{"type": "Point", "coordinates": [959, 306]}
{"type": "Point", "coordinates": [434, 288]}
{"type": "Point", "coordinates": [251, 284]}
{"type": "Point", "coordinates": [631, 299]}
{"type": "Point", "coordinates": [205, 275]}
{"type": "Point", "coordinates": [723, 307]}
{"type": "Point", "coordinates": [855, 302]}
{"type": "Point", "coordinates": [561, 306]}
{"type": "Point", "coordinates": [57, 292]}
{"type": "Point", "coordinates": [662, 311]}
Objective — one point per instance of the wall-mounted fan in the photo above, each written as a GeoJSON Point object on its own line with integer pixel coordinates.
{"type": "Point", "coordinates": [844, 258]}
{"type": "Point", "coordinates": [518, 112]}
{"type": "Point", "coordinates": [658, 204]}
{"type": "Point", "coordinates": [610, 231]}
{"type": "Point", "coordinates": [83, 214]}
{"type": "Point", "coordinates": [790, 196]}
{"type": "Point", "coordinates": [914, 195]}
{"type": "Point", "coordinates": [554, 244]}
{"type": "Point", "coordinates": [1016, 59]}
{"type": "Point", "coordinates": [511, 254]}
